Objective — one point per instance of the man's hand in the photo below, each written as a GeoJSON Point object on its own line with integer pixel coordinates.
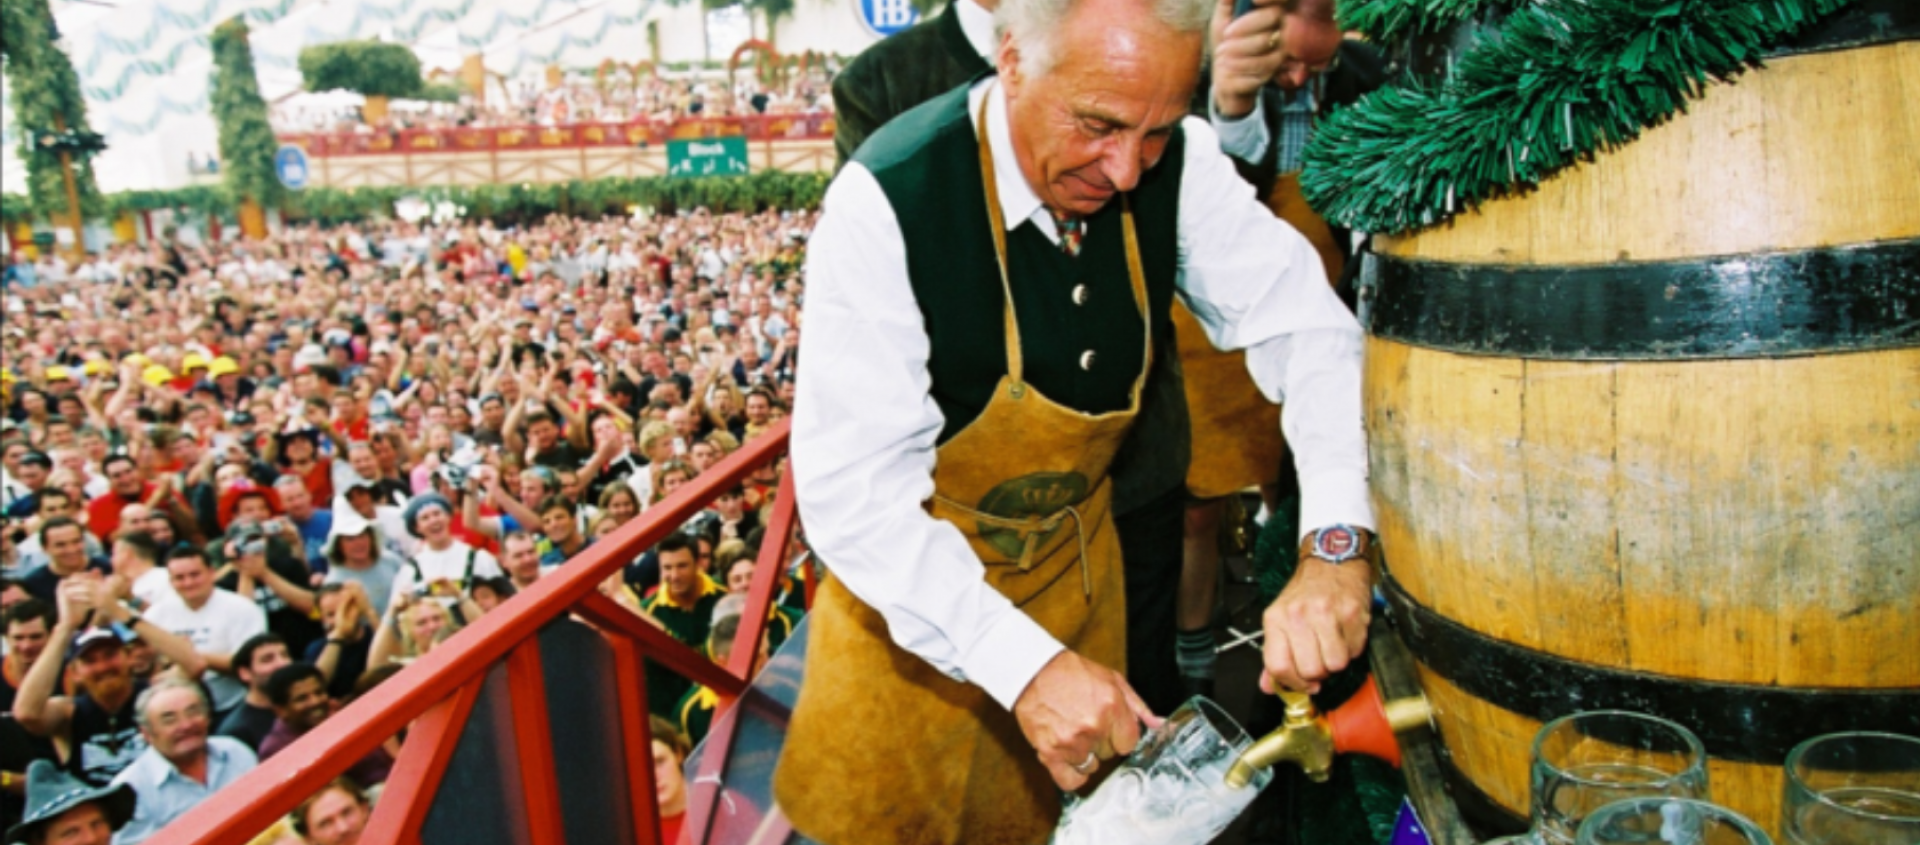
{"type": "Point", "coordinates": [1318, 624]}
{"type": "Point", "coordinates": [1075, 711]}
{"type": "Point", "coordinates": [1246, 55]}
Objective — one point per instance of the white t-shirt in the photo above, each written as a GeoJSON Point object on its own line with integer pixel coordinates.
{"type": "Point", "coordinates": [154, 587]}
{"type": "Point", "coordinates": [450, 562]}
{"type": "Point", "coordinates": [219, 627]}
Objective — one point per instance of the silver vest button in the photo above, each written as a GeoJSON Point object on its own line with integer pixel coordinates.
{"type": "Point", "coordinates": [1079, 294]}
{"type": "Point", "coordinates": [1086, 360]}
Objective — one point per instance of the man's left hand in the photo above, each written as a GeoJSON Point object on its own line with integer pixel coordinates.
{"type": "Point", "coordinates": [1318, 624]}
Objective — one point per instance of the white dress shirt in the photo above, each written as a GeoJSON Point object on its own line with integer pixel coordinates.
{"type": "Point", "coordinates": [865, 425]}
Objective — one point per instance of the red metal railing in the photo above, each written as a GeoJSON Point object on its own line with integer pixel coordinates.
{"type": "Point", "coordinates": [765, 127]}
{"type": "Point", "coordinates": [433, 697]}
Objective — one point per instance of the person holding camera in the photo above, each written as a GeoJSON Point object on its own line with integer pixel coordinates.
{"type": "Point", "coordinates": [263, 558]}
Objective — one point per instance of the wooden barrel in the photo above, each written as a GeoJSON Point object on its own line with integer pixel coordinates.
{"type": "Point", "coordinates": [1648, 437]}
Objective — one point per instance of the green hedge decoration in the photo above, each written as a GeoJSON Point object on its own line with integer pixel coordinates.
{"type": "Point", "coordinates": [247, 144]}
{"type": "Point", "coordinates": [785, 191]}
{"type": "Point", "coordinates": [1560, 83]}
{"type": "Point", "coordinates": [372, 68]}
{"type": "Point", "coordinates": [41, 81]}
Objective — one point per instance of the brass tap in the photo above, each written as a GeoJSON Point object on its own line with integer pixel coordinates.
{"type": "Point", "coordinates": [1303, 739]}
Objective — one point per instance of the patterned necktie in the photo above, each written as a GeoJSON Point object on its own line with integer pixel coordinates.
{"type": "Point", "coordinates": [1072, 229]}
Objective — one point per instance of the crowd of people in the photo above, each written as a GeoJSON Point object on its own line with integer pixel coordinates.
{"type": "Point", "coordinates": [619, 96]}
{"type": "Point", "coordinates": [244, 483]}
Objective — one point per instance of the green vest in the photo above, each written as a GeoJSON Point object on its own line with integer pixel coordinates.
{"type": "Point", "coordinates": [927, 163]}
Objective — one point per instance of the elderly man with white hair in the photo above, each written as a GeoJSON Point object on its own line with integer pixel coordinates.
{"type": "Point", "coordinates": [984, 291]}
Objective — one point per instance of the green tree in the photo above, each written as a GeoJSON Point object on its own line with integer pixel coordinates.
{"type": "Point", "coordinates": [46, 97]}
{"type": "Point", "coordinates": [246, 140]}
{"type": "Point", "coordinates": [372, 68]}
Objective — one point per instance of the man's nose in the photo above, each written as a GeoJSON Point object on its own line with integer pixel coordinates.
{"type": "Point", "coordinates": [1124, 162]}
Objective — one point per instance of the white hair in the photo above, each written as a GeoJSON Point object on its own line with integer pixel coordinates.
{"type": "Point", "coordinates": [1035, 24]}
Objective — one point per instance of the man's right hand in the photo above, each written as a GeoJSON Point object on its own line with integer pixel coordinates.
{"type": "Point", "coordinates": [1076, 711]}
{"type": "Point", "coordinates": [1246, 55]}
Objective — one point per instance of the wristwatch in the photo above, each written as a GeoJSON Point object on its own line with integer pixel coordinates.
{"type": "Point", "coordinates": [1338, 544]}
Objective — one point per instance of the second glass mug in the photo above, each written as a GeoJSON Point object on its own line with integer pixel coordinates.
{"type": "Point", "coordinates": [1584, 761]}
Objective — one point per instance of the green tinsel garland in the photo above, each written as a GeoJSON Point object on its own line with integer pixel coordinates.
{"type": "Point", "coordinates": [1389, 21]}
{"type": "Point", "coordinates": [1562, 81]}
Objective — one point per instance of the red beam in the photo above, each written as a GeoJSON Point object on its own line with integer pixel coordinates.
{"type": "Point", "coordinates": [415, 777]}
{"type": "Point", "coordinates": [766, 579]}
{"type": "Point", "coordinates": [636, 735]}
{"type": "Point", "coordinates": [533, 743]}
{"type": "Point", "coordinates": [253, 803]}
{"type": "Point", "coordinates": [658, 645]}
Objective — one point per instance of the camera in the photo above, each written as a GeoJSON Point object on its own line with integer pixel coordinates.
{"type": "Point", "coordinates": [250, 540]}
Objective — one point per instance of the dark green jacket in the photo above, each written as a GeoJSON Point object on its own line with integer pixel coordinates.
{"type": "Point", "coordinates": [929, 59]}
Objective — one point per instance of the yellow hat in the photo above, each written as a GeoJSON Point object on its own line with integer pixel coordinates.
{"type": "Point", "coordinates": [97, 367]}
{"type": "Point", "coordinates": [156, 375]}
{"type": "Point", "coordinates": [139, 360]}
{"type": "Point", "coordinates": [6, 376]}
{"type": "Point", "coordinates": [221, 366]}
{"type": "Point", "coordinates": [58, 374]}
{"type": "Point", "coordinates": [193, 361]}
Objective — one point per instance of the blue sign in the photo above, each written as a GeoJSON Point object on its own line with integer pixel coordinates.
{"type": "Point", "coordinates": [290, 164]}
{"type": "Point", "coordinates": [886, 17]}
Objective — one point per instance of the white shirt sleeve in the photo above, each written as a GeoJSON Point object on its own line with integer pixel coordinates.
{"type": "Point", "coordinates": [1256, 284]}
{"type": "Point", "coordinates": [864, 432]}
{"type": "Point", "coordinates": [1244, 138]}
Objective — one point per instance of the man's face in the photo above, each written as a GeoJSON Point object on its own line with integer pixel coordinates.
{"type": "Point", "coordinates": [361, 458]}
{"type": "Point", "coordinates": [125, 479]}
{"type": "Point", "coordinates": [266, 659]}
{"type": "Point", "coordinates": [82, 825]}
{"type": "Point", "coordinates": [492, 413]}
{"type": "Point", "coordinates": [34, 476]}
{"type": "Point", "coordinates": [680, 574]}
{"type": "Point", "coordinates": [191, 579]}
{"type": "Point", "coordinates": [1309, 42]}
{"type": "Point", "coordinates": [557, 524]}
{"type": "Point", "coordinates": [335, 818]}
{"type": "Point", "coordinates": [681, 421]}
{"type": "Point", "coordinates": [10, 457]}
{"type": "Point", "coordinates": [432, 522]}
{"type": "Point", "coordinates": [27, 638]}
{"type": "Point", "coordinates": [542, 433]}
{"type": "Point", "coordinates": [177, 721]}
{"type": "Point", "coordinates": [104, 669]}
{"type": "Point", "coordinates": [252, 509]}
{"type": "Point", "coordinates": [740, 577]}
{"type": "Point", "coordinates": [307, 705]}
{"type": "Point", "coordinates": [54, 505]}
{"type": "Point", "coordinates": [1089, 126]}
{"type": "Point", "coordinates": [523, 563]}
{"type": "Point", "coordinates": [758, 409]}
{"type": "Point", "coordinates": [67, 546]}
{"type": "Point", "coordinates": [294, 497]}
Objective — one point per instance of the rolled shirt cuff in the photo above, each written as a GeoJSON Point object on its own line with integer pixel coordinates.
{"type": "Point", "coordinates": [1007, 654]}
{"type": "Point", "coordinates": [1335, 498]}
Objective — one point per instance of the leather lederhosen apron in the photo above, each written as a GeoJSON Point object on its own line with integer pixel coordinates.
{"type": "Point", "coordinates": [883, 747]}
{"type": "Point", "coordinates": [1236, 431]}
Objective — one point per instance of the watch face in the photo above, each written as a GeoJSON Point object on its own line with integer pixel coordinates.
{"type": "Point", "coordinates": [1336, 543]}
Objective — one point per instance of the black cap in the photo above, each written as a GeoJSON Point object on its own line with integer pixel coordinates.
{"type": "Point", "coordinates": [39, 459]}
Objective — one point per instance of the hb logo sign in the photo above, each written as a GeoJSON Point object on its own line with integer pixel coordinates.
{"type": "Point", "coordinates": [886, 17]}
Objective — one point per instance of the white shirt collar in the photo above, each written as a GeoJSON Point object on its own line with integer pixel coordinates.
{"type": "Point", "coordinates": [977, 23]}
{"type": "Point", "coordinates": [1018, 202]}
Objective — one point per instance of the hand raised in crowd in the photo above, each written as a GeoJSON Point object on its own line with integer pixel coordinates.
{"type": "Point", "coordinates": [1246, 54]}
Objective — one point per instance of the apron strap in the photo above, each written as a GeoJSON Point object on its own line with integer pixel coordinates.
{"type": "Point", "coordinates": [998, 224]}
{"type": "Point", "coordinates": [1031, 527]}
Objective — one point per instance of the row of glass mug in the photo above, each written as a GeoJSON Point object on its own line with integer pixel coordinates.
{"type": "Point", "coordinates": [1618, 778]}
